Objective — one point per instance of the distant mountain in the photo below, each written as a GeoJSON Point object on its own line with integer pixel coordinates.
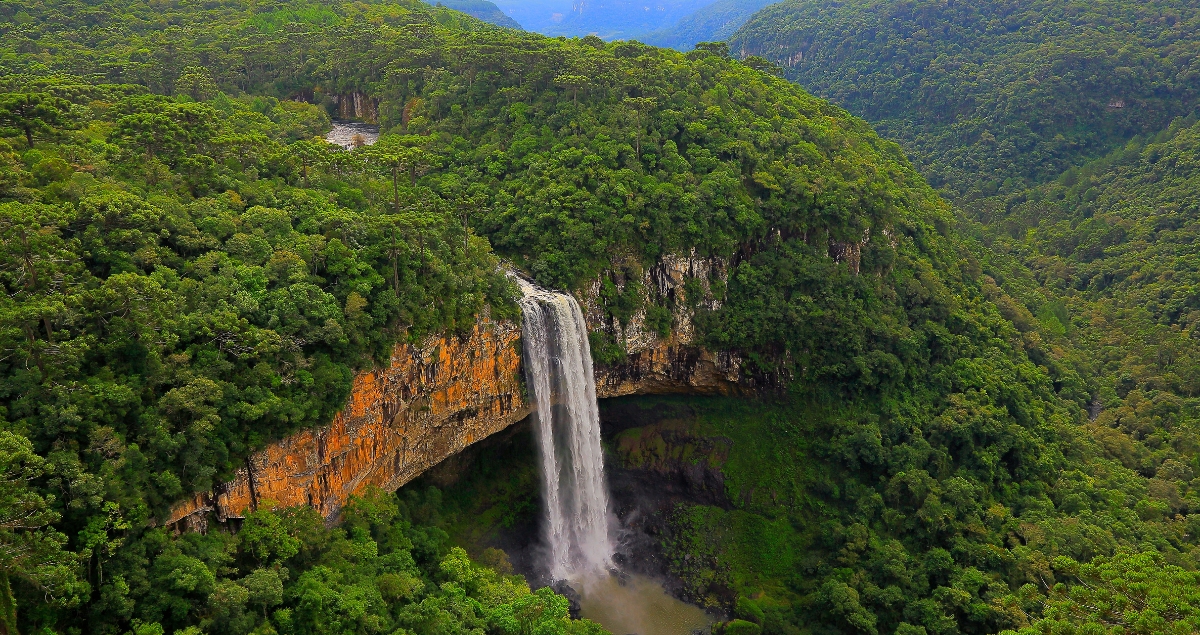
{"type": "Point", "coordinates": [712, 23]}
{"type": "Point", "coordinates": [481, 9]}
{"type": "Point", "coordinates": [608, 19]}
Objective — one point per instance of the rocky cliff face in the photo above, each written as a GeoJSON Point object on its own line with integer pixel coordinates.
{"type": "Point", "coordinates": [357, 105]}
{"type": "Point", "coordinates": [439, 397]}
{"type": "Point", "coordinates": [680, 283]}
{"type": "Point", "coordinates": [432, 401]}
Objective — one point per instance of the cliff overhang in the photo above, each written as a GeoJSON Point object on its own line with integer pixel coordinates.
{"type": "Point", "coordinates": [437, 398]}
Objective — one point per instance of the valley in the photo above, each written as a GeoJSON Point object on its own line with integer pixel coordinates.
{"type": "Point", "coordinates": [407, 318]}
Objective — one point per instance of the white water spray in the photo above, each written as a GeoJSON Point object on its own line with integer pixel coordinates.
{"type": "Point", "coordinates": [558, 372]}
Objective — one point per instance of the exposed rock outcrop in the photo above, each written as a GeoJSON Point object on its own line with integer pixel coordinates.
{"type": "Point", "coordinates": [666, 284]}
{"type": "Point", "coordinates": [357, 106]}
{"type": "Point", "coordinates": [431, 402]}
{"type": "Point", "coordinates": [439, 397]}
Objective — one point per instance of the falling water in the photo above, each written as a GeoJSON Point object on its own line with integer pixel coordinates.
{"type": "Point", "coordinates": [558, 371]}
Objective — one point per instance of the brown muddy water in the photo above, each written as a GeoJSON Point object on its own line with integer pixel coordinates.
{"type": "Point", "coordinates": [640, 605]}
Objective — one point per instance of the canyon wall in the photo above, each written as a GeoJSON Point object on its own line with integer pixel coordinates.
{"type": "Point", "coordinates": [357, 105]}
{"type": "Point", "coordinates": [437, 398]}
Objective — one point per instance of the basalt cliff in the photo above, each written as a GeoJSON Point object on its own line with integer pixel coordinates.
{"type": "Point", "coordinates": [436, 398]}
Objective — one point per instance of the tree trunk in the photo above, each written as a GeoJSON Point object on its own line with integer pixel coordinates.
{"type": "Point", "coordinates": [638, 142]}
{"type": "Point", "coordinates": [396, 188]}
{"type": "Point", "coordinates": [8, 607]}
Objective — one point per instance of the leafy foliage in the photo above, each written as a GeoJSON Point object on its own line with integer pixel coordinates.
{"type": "Point", "coordinates": [566, 154]}
{"type": "Point", "coordinates": [286, 572]}
{"type": "Point", "coordinates": [1126, 593]}
{"type": "Point", "coordinates": [990, 96]}
{"type": "Point", "coordinates": [1111, 244]}
{"type": "Point", "coordinates": [189, 272]}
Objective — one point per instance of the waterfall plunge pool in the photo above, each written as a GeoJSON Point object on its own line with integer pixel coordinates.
{"type": "Point", "coordinates": [559, 374]}
{"type": "Point", "coordinates": [637, 604]}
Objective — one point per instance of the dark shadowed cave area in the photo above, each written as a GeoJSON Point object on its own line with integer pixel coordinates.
{"type": "Point", "coordinates": [490, 492]}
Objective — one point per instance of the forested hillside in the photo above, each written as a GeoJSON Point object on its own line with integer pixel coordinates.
{"type": "Point", "coordinates": [1066, 134]}
{"type": "Point", "coordinates": [991, 96]}
{"type": "Point", "coordinates": [481, 9]}
{"type": "Point", "coordinates": [189, 273]}
{"type": "Point", "coordinates": [712, 23]}
{"type": "Point", "coordinates": [1114, 242]}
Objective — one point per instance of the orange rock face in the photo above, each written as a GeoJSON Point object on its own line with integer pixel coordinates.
{"type": "Point", "coordinates": [433, 401]}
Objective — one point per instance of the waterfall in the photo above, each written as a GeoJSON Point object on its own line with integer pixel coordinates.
{"type": "Point", "coordinates": [558, 373]}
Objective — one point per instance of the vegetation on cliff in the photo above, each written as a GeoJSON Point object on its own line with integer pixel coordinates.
{"type": "Point", "coordinates": [181, 285]}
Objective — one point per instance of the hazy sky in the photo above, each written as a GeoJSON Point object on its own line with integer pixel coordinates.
{"type": "Point", "coordinates": [609, 19]}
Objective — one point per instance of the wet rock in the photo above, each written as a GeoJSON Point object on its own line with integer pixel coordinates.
{"type": "Point", "coordinates": [564, 589]}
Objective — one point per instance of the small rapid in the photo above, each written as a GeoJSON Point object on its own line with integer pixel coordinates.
{"type": "Point", "coordinates": [352, 134]}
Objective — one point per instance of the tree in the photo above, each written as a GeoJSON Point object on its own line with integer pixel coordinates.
{"type": "Point", "coordinates": [720, 49]}
{"type": "Point", "coordinates": [33, 112]}
{"type": "Point", "coordinates": [398, 154]}
{"type": "Point", "coordinates": [197, 83]}
{"type": "Point", "coordinates": [640, 106]}
{"type": "Point", "coordinates": [264, 537]}
{"type": "Point", "coordinates": [30, 550]}
{"type": "Point", "coordinates": [265, 588]}
{"type": "Point", "coordinates": [309, 154]}
{"type": "Point", "coordinates": [155, 133]}
{"type": "Point", "coordinates": [572, 83]}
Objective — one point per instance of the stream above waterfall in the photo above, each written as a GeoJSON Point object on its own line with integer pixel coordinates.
{"type": "Point", "coordinates": [352, 134]}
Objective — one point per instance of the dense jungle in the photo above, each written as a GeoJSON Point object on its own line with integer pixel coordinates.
{"type": "Point", "coordinates": [966, 398]}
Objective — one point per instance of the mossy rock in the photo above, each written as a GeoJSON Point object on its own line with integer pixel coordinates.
{"type": "Point", "coordinates": [741, 627]}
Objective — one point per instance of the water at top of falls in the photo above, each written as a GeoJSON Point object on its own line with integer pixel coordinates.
{"type": "Point", "coordinates": [352, 134]}
{"type": "Point", "coordinates": [558, 373]}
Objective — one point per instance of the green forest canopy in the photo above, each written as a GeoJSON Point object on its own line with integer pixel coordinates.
{"type": "Point", "coordinates": [1094, 245]}
{"type": "Point", "coordinates": [209, 276]}
{"type": "Point", "coordinates": [991, 96]}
